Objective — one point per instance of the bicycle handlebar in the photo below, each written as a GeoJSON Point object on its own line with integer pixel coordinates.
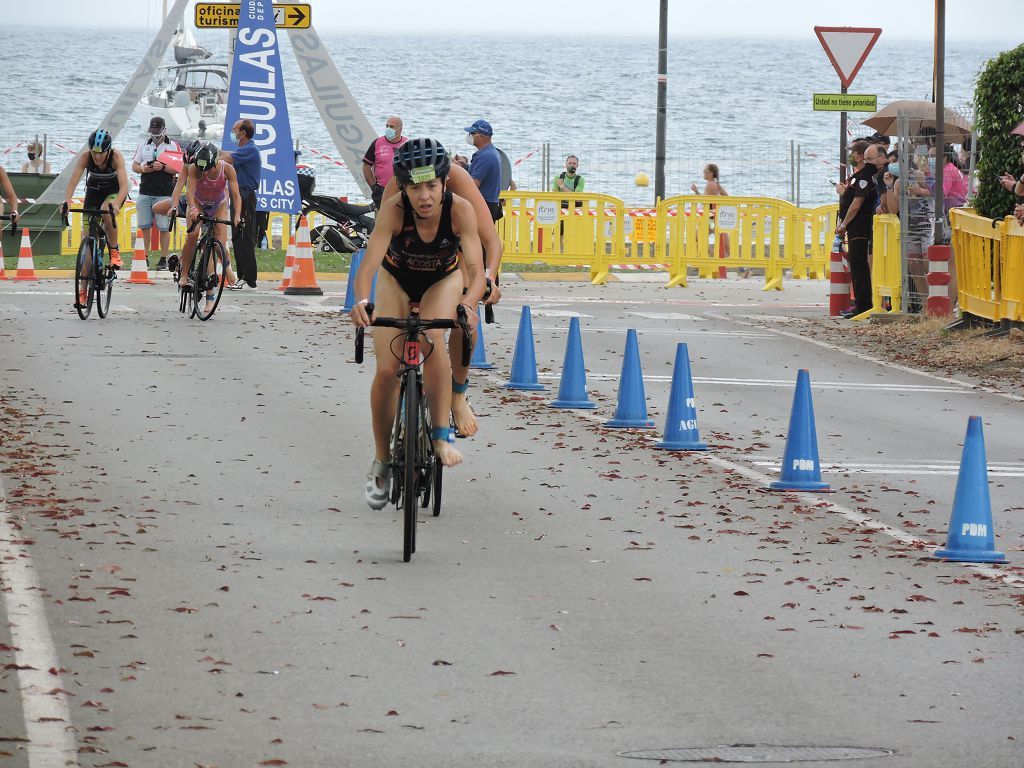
{"type": "Point", "coordinates": [204, 217]}
{"type": "Point", "coordinates": [90, 212]}
{"type": "Point", "coordinates": [11, 217]}
{"type": "Point", "coordinates": [413, 322]}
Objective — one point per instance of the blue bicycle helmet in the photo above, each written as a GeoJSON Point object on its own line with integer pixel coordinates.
{"type": "Point", "coordinates": [100, 140]}
{"type": "Point", "coordinates": [420, 160]}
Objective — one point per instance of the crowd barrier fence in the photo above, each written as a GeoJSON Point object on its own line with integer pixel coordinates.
{"type": "Point", "coordinates": [989, 260]}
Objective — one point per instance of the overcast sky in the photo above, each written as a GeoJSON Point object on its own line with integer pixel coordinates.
{"type": "Point", "coordinates": [966, 19]}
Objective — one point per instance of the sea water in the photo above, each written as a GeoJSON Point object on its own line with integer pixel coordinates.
{"type": "Point", "coordinates": [744, 104]}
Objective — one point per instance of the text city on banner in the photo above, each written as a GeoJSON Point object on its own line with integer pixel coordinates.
{"type": "Point", "coordinates": [257, 93]}
{"type": "Point", "coordinates": [225, 15]}
{"type": "Point", "coordinates": [847, 48]}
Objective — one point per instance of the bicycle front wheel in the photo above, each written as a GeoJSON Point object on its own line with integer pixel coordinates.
{"type": "Point", "coordinates": [104, 286]}
{"type": "Point", "coordinates": [410, 473]}
{"type": "Point", "coordinates": [209, 285]}
{"type": "Point", "coordinates": [84, 278]}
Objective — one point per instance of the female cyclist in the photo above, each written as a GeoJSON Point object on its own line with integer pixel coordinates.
{"type": "Point", "coordinates": [207, 192]}
{"type": "Point", "coordinates": [419, 238]}
{"type": "Point", "coordinates": [106, 182]}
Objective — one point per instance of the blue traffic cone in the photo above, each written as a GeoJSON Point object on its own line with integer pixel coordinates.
{"type": "Point", "coordinates": [350, 296]}
{"type": "Point", "coordinates": [572, 387]}
{"type": "Point", "coordinates": [524, 360]}
{"type": "Point", "coordinates": [971, 538]}
{"type": "Point", "coordinates": [801, 469]}
{"type": "Point", "coordinates": [681, 432]}
{"type": "Point", "coordinates": [631, 411]}
{"type": "Point", "coordinates": [479, 359]}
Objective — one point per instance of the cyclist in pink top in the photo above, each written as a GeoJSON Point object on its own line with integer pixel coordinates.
{"type": "Point", "coordinates": [209, 181]}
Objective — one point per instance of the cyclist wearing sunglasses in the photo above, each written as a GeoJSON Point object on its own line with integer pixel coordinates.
{"type": "Point", "coordinates": [419, 239]}
{"type": "Point", "coordinates": [106, 182]}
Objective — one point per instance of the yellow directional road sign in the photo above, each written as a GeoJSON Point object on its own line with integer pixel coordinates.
{"type": "Point", "coordinates": [225, 15]}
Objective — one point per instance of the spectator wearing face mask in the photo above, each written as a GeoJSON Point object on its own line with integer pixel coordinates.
{"type": "Point", "coordinates": [36, 162]}
{"type": "Point", "coordinates": [156, 184]}
{"type": "Point", "coordinates": [377, 162]}
{"type": "Point", "coordinates": [485, 165]}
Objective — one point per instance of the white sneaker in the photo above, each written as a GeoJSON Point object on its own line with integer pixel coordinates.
{"type": "Point", "coordinates": [377, 482]}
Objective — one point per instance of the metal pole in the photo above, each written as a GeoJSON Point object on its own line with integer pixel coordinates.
{"type": "Point", "coordinates": [940, 116]}
{"type": "Point", "coordinates": [800, 155]}
{"type": "Point", "coordinates": [842, 143]}
{"type": "Point", "coordinates": [659, 142]}
{"type": "Point", "coordinates": [792, 171]}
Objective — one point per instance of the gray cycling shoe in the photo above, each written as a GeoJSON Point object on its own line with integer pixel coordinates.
{"type": "Point", "coordinates": [377, 482]}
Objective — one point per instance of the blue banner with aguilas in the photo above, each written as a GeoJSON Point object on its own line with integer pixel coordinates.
{"type": "Point", "coordinates": [257, 93]}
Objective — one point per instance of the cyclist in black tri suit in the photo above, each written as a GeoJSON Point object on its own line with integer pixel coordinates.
{"type": "Point", "coordinates": [106, 181]}
{"type": "Point", "coordinates": [420, 237]}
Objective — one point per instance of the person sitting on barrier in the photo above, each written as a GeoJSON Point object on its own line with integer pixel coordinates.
{"type": "Point", "coordinates": [178, 202]}
{"type": "Point", "coordinates": [106, 183]}
{"type": "Point", "coordinates": [209, 181]}
{"type": "Point", "coordinates": [419, 238]}
{"type": "Point", "coordinates": [461, 183]}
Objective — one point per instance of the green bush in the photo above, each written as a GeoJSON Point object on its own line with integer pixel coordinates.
{"type": "Point", "coordinates": [999, 108]}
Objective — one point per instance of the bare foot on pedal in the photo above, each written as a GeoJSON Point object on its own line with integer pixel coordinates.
{"type": "Point", "coordinates": [462, 414]}
{"type": "Point", "coordinates": [447, 453]}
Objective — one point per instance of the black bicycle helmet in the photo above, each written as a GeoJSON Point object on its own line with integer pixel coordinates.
{"type": "Point", "coordinates": [100, 140]}
{"type": "Point", "coordinates": [189, 155]}
{"type": "Point", "coordinates": [307, 179]}
{"type": "Point", "coordinates": [420, 160]}
{"type": "Point", "coordinates": [206, 157]}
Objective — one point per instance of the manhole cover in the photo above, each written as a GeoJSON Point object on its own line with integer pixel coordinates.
{"type": "Point", "coordinates": [756, 753]}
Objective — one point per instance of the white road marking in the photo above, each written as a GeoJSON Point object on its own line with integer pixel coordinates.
{"type": "Point", "coordinates": [10, 309]}
{"type": "Point", "coordinates": [122, 308]}
{"type": "Point", "coordinates": [37, 293]}
{"type": "Point", "coordinates": [546, 312]}
{"type": "Point", "coordinates": [51, 743]}
{"type": "Point", "coordinates": [843, 385]}
{"type": "Point", "coordinates": [664, 315]}
{"type": "Point", "coordinates": [870, 359]}
{"type": "Point", "coordinates": [949, 469]}
{"type": "Point", "coordinates": [666, 332]}
{"type": "Point", "coordinates": [334, 309]}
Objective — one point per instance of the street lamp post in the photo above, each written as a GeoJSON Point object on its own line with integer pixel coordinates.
{"type": "Point", "coordinates": [659, 149]}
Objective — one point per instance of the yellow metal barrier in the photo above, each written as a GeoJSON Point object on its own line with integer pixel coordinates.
{"type": "Point", "coordinates": [1013, 271]}
{"type": "Point", "coordinates": [978, 247]}
{"type": "Point", "coordinates": [819, 231]}
{"type": "Point", "coordinates": [763, 233]}
{"type": "Point", "coordinates": [886, 266]}
{"type": "Point", "coordinates": [535, 228]}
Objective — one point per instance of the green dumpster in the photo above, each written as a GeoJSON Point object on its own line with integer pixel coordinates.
{"type": "Point", "coordinates": [43, 220]}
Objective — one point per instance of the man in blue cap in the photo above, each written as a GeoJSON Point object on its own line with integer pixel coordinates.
{"type": "Point", "coordinates": [485, 166]}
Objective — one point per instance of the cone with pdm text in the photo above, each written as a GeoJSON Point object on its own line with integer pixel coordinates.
{"type": "Point", "coordinates": [971, 538]}
{"type": "Point", "coordinates": [479, 359]}
{"type": "Point", "coordinates": [3, 274]}
{"type": "Point", "coordinates": [524, 360]}
{"type": "Point", "coordinates": [572, 387]}
{"type": "Point", "coordinates": [681, 433]}
{"type": "Point", "coordinates": [304, 270]}
{"type": "Point", "coordinates": [289, 264]}
{"type": "Point", "coordinates": [631, 411]}
{"type": "Point", "coordinates": [26, 266]}
{"type": "Point", "coordinates": [801, 469]}
{"type": "Point", "coordinates": [140, 268]}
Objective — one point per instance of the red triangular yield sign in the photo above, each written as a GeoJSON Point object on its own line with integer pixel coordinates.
{"type": "Point", "coordinates": [847, 48]}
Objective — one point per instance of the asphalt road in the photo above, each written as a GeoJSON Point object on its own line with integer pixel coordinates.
{"type": "Point", "coordinates": [193, 574]}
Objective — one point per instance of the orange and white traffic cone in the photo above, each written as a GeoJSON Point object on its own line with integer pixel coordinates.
{"type": "Point", "coordinates": [289, 264]}
{"type": "Point", "coordinates": [26, 266]}
{"type": "Point", "coordinates": [140, 268]}
{"type": "Point", "coordinates": [839, 281]}
{"type": "Point", "coordinates": [303, 281]}
{"type": "Point", "coordinates": [3, 275]}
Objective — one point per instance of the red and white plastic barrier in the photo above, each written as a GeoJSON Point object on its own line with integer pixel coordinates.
{"type": "Point", "coordinates": [938, 303]}
{"type": "Point", "coordinates": [838, 282]}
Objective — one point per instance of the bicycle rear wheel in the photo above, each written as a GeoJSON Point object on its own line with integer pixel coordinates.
{"type": "Point", "coordinates": [435, 483]}
{"type": "Point", "coordinates": [210, 279]}
{"type": "Point", "coordinates": [84, 281]}
{"type": "Point", "coordinates": [410, 491]}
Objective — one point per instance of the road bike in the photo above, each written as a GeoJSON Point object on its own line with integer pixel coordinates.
{"type": "Point", "coordinates": [207, 272]}
{"type": "Point", "coordinates": [416, 472]}
{"type": "Point", "coordinates": [94, 281]}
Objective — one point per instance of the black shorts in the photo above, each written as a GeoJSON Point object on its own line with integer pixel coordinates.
{"type": "Point", "coordinates": [96, 197]}
{"type": "Point", "coordinates": [415, 284]}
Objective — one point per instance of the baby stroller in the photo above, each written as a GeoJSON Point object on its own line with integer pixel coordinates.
{"type": "Point", "coordinates": [352, 223]}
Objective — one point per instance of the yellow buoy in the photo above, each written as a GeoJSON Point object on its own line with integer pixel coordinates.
{"type": "Point", "coordinates": [642, 179]}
